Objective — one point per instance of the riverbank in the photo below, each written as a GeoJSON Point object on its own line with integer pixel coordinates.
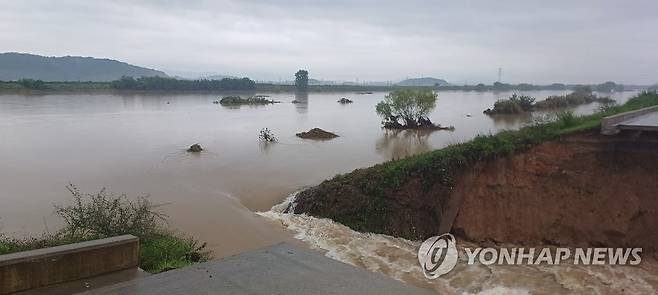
{"type": "Point", "coordinates": [421, 196]}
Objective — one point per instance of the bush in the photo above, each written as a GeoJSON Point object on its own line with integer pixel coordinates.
{"type": "Point", "coordinates": [581, 95]}
{"type": "Point", "coordinates": [266, 135]}
{"type": "Point", "coordinates": [526, 102]}
{"type": "Point", "coordinates": [102, 215]}
{"type": "Point", "coordinates": [253, 100]}
{"type": "Point", "coordinates": [515, 104]}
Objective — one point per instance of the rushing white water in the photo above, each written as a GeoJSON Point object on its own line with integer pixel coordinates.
{"type": "Point", "coordinates": [396, 258]}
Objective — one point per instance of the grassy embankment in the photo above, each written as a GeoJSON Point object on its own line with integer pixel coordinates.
{"type": "Point", "coordinates": [102, 215]}
{"type": "Point", "coordinates": [444, 166]}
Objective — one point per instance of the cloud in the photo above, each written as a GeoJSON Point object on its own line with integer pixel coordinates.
{"type": "Point", "coordinates": [462, 41]}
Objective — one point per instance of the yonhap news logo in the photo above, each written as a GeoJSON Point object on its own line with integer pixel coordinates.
{"type": "Point", "coordinates": [439, 255]}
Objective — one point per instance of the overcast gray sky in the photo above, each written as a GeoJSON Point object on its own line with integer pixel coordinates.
{"type": "Point", "coordinates": [460, 41]}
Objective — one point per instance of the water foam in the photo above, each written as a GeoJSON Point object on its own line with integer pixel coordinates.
{"type": "Point", "coordinates": [396, 258]}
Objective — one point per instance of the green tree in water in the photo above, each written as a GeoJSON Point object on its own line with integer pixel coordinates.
{"type": "Point", "coordinates": [301, 79]}
{"type": "Point", "coordinates": [407, 108]}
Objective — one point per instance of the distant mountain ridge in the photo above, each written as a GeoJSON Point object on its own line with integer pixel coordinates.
{"type": "Point", "coordinates": [15, 66]}
{"type": "Point", "coordinates": [424, 81]}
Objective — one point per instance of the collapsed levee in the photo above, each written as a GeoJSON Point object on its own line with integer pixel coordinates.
{"type": "Point", "coordinates": [578, 190]}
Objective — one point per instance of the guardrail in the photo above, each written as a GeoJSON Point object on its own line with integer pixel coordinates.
{"type": "Point", "coordinates": [609, 124]}
{"type": "Point", "coordinates": [43, 267]}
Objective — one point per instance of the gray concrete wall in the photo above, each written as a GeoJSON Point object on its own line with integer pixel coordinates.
{"type": "Point", "coordinates": [48, 266]}
{"type": "Point", "coordinates": [609, 124]}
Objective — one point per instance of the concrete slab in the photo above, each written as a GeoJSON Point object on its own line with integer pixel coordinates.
{"type": "Point", "coordinates": [50, 266]}
{"type": "Point", "coordinates": [647, 122]}
{"type": "Point", "coordinates": [279, 269]}
{"type": "Point", "coordinates": [645, 119]}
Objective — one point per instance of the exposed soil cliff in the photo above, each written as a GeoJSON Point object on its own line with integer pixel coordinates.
{"type": "Point", "coordinates": [583, 189]}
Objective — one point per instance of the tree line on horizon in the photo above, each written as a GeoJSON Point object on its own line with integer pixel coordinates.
{"type": "Point", "coordinates": [301, 83]}
{"type": "Point", "coordinates": [163, 83]}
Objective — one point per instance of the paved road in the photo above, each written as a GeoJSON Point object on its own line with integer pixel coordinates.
{"type": "Point", "coordinates": [279, 269]}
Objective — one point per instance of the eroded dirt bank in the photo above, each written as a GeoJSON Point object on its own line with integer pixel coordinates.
{"type": "Point", "coordinates": [583, 189]}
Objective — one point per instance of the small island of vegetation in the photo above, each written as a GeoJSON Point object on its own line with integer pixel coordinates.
{"type": "Point", "coordinates": [253, 100]}
{"type": "Point", "coordinates": [408, 109]}
{"type": "Point", "coordinates": [515, 104]}
{"type": "Point", "coordinates": [518, 104]}
{"type": "Point", "coordinates": [580, 95]}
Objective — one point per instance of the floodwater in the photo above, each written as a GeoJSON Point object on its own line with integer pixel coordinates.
{"type": "Point", "coordinates": [396, 258]}
{"type": "Point", "coordinates": [135, 144]}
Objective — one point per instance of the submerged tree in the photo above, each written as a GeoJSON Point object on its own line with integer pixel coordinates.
{"type": "Point", "coordinates": [301, 79]}
{"type": "Point", "coordinates": [407, 108]}
{"type": "Point", "coordinates": [266, 135]}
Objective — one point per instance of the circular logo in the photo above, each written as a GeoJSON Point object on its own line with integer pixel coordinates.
{"type": "Point", "coordinates": [438, 255]}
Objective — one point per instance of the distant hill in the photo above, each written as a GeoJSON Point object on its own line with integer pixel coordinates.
{"type": "Point", "coordinates": [425, 81]}
{"type": "Point", "coordinates": [14, 66]}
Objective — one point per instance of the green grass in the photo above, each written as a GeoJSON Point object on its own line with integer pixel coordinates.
{"type": "Point", "coordinates": [102, 215]}
{"type": "Point", "coordinates": [445, 165]}
{"type": "Point", "coordinates": [164, 251]}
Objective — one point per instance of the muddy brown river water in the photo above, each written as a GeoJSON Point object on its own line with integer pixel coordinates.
{"type": "Point", "coordinates": [135, 144]}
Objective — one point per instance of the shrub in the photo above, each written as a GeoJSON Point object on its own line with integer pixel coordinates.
{"type": "Point", "coordinates": [253, 100]}
{"type": "Point", "coordinates": [515, 104]}
{"type": "Point", "coordinates": [266, 135]}
{"type": "Point", "coordinates": [581, 95]}
{"type": "Point", "coordinates": [102, 215]}
{"type": "Point", "coordinates": [526, 102]}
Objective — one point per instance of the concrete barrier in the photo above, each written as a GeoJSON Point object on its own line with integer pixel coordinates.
{"type": "Point", "coordinates": [48, 266]}
{"type": "Point", "coordinates": [609, 124]}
